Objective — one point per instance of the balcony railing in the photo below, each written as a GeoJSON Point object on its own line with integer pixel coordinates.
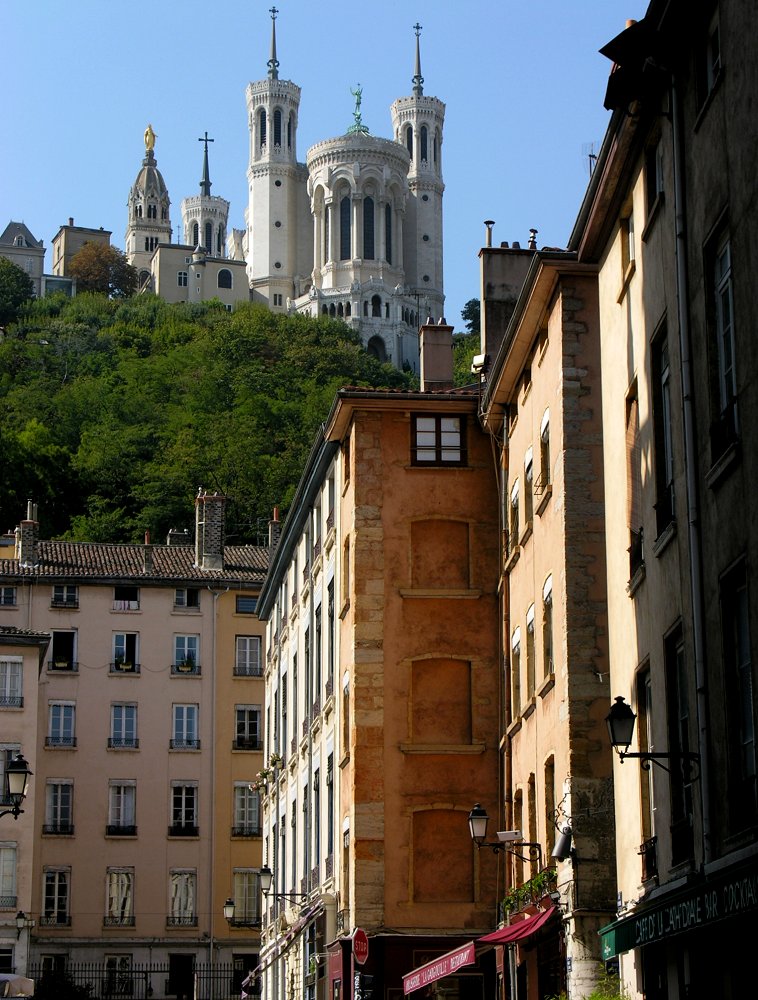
{"type": "Point", "coordinates": [64, 602]}
{"type": "Point", "coordinates": [63, 828]}
{"type": "Point", "coordinates": [7, 902]}
{"type": "Point", "coordinates": [248, 670]}
{"type": "Point", "coordinates": [65, 742]}
{"type": "Point", "coordinates": [11, 701]}
{"type": "Point", "coordinates": [182, 920]}
{"type": "Point", "coordinates": [63, 663]}
{"type": "Point", "coordinates": [120, 830]}
{"type": "Point", "coordinates": [125, 667]}
{"type": "Point", "coordinates": [123, 743]}
{"type": "Point", "coordinates": [55, 919]}
{"type": "Point", "coordinates": [246, 921]}
{"type": "Point", "coordinates": [187, 668]}
{"type": "Point", "coordinates": [184, 744]}
{"type": "Point", "coordinates": [126, 605]}
{"type": "Point", "coordinates": [120, 921]}
{"type": "Point", "coordinates": [246, 830]}
{"type": "Point", "coordinates": [183, 830]}
{"type": "Point", "coordinates": [649, 854]}
{"type": "Point", "coordinates": [247, 743]}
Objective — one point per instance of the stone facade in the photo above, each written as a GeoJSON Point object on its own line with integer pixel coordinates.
{"type": "Point", "coordinates": [403, 715]}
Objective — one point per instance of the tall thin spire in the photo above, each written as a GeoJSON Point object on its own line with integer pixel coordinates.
{"type": "Point", "coordinates": [205, 182]}
{"type": "Point", "coordinates": [418, 80]}
{"type": "Point", "coordinates": [273, 63]}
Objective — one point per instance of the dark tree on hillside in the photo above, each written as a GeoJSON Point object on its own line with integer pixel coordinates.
{"type": "Point", "coordinates": [103, 269]}
{"type": "Point", "coordinates": [15, 288]}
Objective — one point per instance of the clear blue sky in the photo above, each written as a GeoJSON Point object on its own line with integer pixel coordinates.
{"type": "Point", "coordinates": [523, 83]}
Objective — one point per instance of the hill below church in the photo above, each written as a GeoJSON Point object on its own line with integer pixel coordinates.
{"type": "Point", "coordinates": [114, 412]}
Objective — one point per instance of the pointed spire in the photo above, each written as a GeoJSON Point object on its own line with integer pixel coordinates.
{"type": "Point", "coordinates": [418, 80]}
{"type": "Point", "coordinates": [205, 182]}
{"type": "Point", "coordinates": [273, 63]}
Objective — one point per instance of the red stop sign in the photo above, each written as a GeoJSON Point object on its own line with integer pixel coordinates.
{"type": "Point", "coordinates": [360, 945]}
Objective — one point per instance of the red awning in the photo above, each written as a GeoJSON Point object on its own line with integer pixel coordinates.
{"type": "Point", "coordinates": [523, 929]}
{"type": "Point", "coordinates": [446, 965]}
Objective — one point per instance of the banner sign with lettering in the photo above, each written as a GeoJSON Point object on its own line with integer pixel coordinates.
{"type": "Point", "coordinates": [446, 965]}
{"type": "Point", "coordinates": [715, 899]}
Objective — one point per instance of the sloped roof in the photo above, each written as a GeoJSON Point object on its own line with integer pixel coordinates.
{"type": "Point", "coordinates": [15, 229]}
{"type": "Point", "coordinates": [95, 561]}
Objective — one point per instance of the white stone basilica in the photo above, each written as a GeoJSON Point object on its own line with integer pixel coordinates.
{"type": "Point", "coordinates": [355, 232]}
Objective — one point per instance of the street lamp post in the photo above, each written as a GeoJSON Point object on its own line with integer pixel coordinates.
{"type": "Point", "coordinates": [508, 840]}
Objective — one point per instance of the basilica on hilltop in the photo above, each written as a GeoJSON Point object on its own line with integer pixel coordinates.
{"type": "Point", "coordinates": [354, 232]}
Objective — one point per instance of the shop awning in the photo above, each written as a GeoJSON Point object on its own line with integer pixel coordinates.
{"type": "Point", "coordinates": [521, 930]}
{"type": "Point", "coordinates": [446, 965]}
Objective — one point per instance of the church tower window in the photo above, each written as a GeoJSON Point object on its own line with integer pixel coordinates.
{"type": "Point", "coordinates": [388, 232]}
{"type": "Point", "coordinates": [436, 143]}
{"type": "Point", "coordinates": [409, 139]}
{"type": "Point", "coordinates": [327, 216]}
{"type": "Point", "coordinates": [152, 212]}
{"type": "Point", "coordinates": [277, 127]}
{"type": "Point", "coordinates": [289, 131]}
{"type": "Point", "coordinates": [368, 229]}
{"type": "Point", "coordinates": [376, 306]}
{"type": "Point", "coordinates": [345, 229]}
{"type": "Point", "coordinates": [164, 214]}
{"type": "Point", "coordinates": [424, 143]}
{"type": "Point", "coordinates": [224, 278]}
{"type": "Point", "coordinates": [348, 309]}
{"type": "Point", "coordinates": [262, 126]}
{"type": "Point", "coordinates": [195, 234]}
{"type": "Point", "coordinates": [209, 237]}
{"type": "Point", "coordinates": [220, 241]}
{"type": "Point", "coordinates": [138, 211]}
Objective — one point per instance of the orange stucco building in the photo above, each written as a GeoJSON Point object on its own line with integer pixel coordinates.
{"type": "Point", "coordinates": [391, 691]}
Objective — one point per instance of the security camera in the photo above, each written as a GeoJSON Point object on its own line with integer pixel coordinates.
{"type": "Point", "coordinates": [508, 836]}
{"type": "Point", "coordinates": [478, 364]}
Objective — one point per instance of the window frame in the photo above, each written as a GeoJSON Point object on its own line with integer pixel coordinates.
{"type": "Point", "coordinates": [439, 447]}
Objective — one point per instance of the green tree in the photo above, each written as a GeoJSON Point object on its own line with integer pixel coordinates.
{"type": "Point", "coordinates": [15, 288]}
{"type": "Point", "coordinates": [103, 269]}
{"type": "Point", "coordinates": [471, 316]}
{"type": "Point", "coordinates": [466, 345]}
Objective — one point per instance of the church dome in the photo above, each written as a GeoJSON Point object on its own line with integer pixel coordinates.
{"type": "Point", "coordinates": [149, 182]}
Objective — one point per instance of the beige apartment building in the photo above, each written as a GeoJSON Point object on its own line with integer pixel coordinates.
{"type": "Point", "coordinates": [22, 653]}
{"type": "Point", "coordinates": [148, 735]}
{"type": "Point", "coordinates": [670, 221]}
{"type": "Point", "coordinates": [70, 239]}
{"type": "Point", "coordinates": [541, 404]}
{"type": "Point", "coordinates": [382, 694]}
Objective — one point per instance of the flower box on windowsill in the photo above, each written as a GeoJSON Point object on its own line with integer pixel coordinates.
{"type": "Point", "coordinates": [186, 667]}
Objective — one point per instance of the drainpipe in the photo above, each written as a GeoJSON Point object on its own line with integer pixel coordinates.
{"type": "Point", "coordinates": [690, 465]}
{"type": "Point", "coordinates": [215, 594]}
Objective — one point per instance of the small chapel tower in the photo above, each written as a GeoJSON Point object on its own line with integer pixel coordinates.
{"type": "Point", "coordinates": [278, 255]}
{"type": "Point", "coordinates": [149, 222]}
{"type": "Point", "coordinates": [205, 216]}
{"type": "Point", "coordinates": [417, 122]}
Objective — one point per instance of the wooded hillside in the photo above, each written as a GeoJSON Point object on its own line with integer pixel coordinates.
{"type": "Point", "coordinates": [113, 413]}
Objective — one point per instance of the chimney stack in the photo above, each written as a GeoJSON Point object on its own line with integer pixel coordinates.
{"type": "Point", "coordinates": [147, 555]}
{"type": "Point", "coordinates": [436, 348]}
{"type": "Point", "coordinates": [274, 530]}
{"type": "Point", "coordinates": [210, 528]}
{"type": "Point", "coordinates": [27, 537]}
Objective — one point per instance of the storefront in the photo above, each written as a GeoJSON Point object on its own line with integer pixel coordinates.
{"type": "Point", "coordinates": [694, 941]}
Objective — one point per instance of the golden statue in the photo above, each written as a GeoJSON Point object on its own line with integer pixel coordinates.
{"type": "Point", "coordinates": [150, 138]}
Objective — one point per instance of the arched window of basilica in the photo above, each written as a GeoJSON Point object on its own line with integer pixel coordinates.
{"type": "Point", "coordinates": [340, 310]}
{"type": "Point", "coordinates": [262, 126]}
{"type": "Point", "coordinates": [377, 349]}
{"type": "Point", "coordinates": [368, 228]}
{"type": "Point", "coordinates": [278, 127]}
{"type": "Point", "coordinates": [365, 307]}
{"type": "Point", "coordinates": [289, 131]}
{"type": "Point", "coordinates": [164, 214]}
{"type": "Point", "coordinates": [195, 234]}
{"type": "Point", "coordinates": [386, 310]}
{"type": "Point", "coordinates": [332, 310]}
{"type": "Point", "coordinates": [138, 211]}
{"type": "Point", "coordinates": [424, 143]}
{"type": "Point", "coordinates": [220, 240]}
{"type": "Point", "coordinates": [152, 212]}
{"type": "Point", "coordinates": [345, 228]}
{"type": "Point", "coordinates": [376, 306]}
{"type": "Point", "coordinates": [348, 309]}
{"type": "Point", "coordinates": [409, 139]}
{"type": "Point", "coordinates": [209, 237]}
{"type": "Point", "coordinates": [324, 311]}
{"type": "Point", "coordinates": [388, 232]}
{"type": "Point", "coordinates": [224, 278]}
{"type": "Point", "coordinates": [436, 143]}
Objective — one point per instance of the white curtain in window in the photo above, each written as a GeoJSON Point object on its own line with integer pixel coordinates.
{"type": "Point", "coordinates": [119, 894]}
{"type": "Point", "coordinates": [182, 894]}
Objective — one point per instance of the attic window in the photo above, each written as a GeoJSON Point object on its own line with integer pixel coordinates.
{"type": "Point", "coordinates": [438, 440]}
{"type": "Point", "coordinates": [246, 604]}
